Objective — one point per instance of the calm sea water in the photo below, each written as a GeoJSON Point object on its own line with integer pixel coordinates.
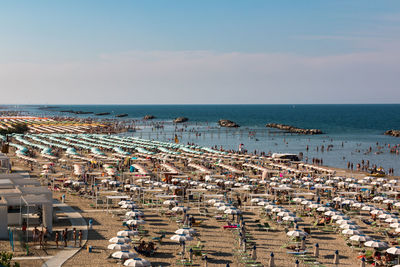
{"type": "Point", "coordinates": [357, 127]}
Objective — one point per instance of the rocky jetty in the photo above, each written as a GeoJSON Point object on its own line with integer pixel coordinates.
{"type": "Point", "coordinates": [149, 117]}
{"type": "Point", "coordinates": [228, 123]}
{"type": "Point", "coordinates": [395, 133]}
{"type": "Point", "coordinates": [292, 129]}
{"type": "Point", "coordinates": [181, 120]}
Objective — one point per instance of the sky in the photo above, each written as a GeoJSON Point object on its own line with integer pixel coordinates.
{"type": "Point", "coordinates": [199, 52]}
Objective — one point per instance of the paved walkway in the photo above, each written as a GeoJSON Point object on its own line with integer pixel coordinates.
{"type": "Point", "coordinates": [76, 221]}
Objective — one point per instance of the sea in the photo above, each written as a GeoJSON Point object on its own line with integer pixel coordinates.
{"type": "Point", "coordinates": [353, 132]}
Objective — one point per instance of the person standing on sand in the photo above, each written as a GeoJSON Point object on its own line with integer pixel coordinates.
{"type": "Point", "coordinates": [65, 236]}
{"type": "Point", "coordinates": [74, 236]}
{"type": "Point", "coordinates": [57, 237]}
{"type": "Point", "coordinates": [80, 238]}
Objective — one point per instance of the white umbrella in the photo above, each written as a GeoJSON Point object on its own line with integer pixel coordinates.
{"type": "Point", "coordinates": [180, 238]}
{"type": "Point", "coordinates": [351, 232]}
{"type": "Point", "coordinates": [119, 239]}
{"type": "Point", "coordinates": [135, 222]}
{"type": "Point", "coordinates": [376, 244]}
{"type": "Point", "coordinates": [292, 219]}
{"type": "Point", "coordinates": [123, 255]}
{"type": "Point", "coordinates": [296, 233]}
{"type": "Point", "coordinates": [185, 231]}
{"type": "Point", "coordinates": [119, 246]}
{"type": "Point", "coordinates": [170, 202]}
{"type": "Point", "coordinates": [137, 262]}
{"type": "Point", "coordinates": [232, 211]}
{"type": "Point", "coordinates": [395, 225]}
{"type": "Point", "coordinates": [127, 233]}
{"type": "Point", "coordinates": [393, 250]}
{"type": "Point", "coordinates": [348, 226]}
{"type": "Point", "coordinates": [134, 213]}
{"type": "Point", "coordinates": [360, 238]}
{"type": "Point", "coordinates": [128, 206]}
{"type": "Point", "coordinates": [180, 209]}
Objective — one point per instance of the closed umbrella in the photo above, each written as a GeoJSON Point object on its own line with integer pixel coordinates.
{"type": "Point", "coordinates": [271, 260]}
{"type": "Point", "coordinates": [254, 254]}
{"type": "Point", "coordinates": [336, 258]}
{"type": "Point", "coordinates": [316, 250]}
{"type": "Point", "coordinates": [362, 262]}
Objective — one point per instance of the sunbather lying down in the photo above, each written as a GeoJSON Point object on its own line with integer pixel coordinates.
{"type": "Point", "coordinates": [146, 249]}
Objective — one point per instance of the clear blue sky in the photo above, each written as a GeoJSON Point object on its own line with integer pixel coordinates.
{"type": "Point", "coordinates": [215, 51]}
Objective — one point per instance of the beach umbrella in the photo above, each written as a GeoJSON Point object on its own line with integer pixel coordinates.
{"type": "Point", "coordinates": [256, 200]}
{"type": "Point", "coordinates": [395, 225]}
{"type": "Point", "coordinates": [351, 232]}
{"type": "Point", "coordinates": [191, 255]}
{"type": "Point", "coordinates": [232, 211]}
{"type": "Point", "coordinates": [292, 219]}
{"type": "Point", "coordinates": [336, 258]}
{"type": "Point", "coordinates": [170, 202]}
{"type": "Point", "coordinates": [394, 250]}
{"type": "Point", "coordinates": [119, 239]}
{"type": "Point", "coordinates": [285, 213]}
{"type": "Point", "coordinates": [254, 254]}
{"type": "Point", "coordinates": [330, 213]}
{"type": "Point", "coordinates": [137, 262]}
{"type": "Point", "coordinates": [392, 220]}
{"type": "Point", "coordinates": [340, 217]}
{"type": "Point", "coordinates": [185, 231]}
{"type": "Point", "coordinates": [134, 213]}
{"type": "Point", "coordinates": [344, 221]}
{"type": "Point", "coordinates": [303, 243]}
{"type": "Point", "coordinates": [271, 260]}
{"type": "Point", "coordinates": [119, 246]}
{"type": "Point", "coordinates": [296, 233]}
{"type": "Point", "coordinates": [360, 238]}
{"type": "Point", "coordinates": [128, 206]}
{"type": "Point", "coordinates": [377, 212]}
{"type": "Point", "coordinates": [323, 209]}
{"type": "Point", "coordinates": [135, 222]}
{"type": "Point", "coordinates": [181, 238]}
{"type": "Point", "coordinates": [180, 209]}
{"type": "Point", "coordinates": [316, 250]}
{"type": "Point", "coordinates": [348, 226]}
{"type": "Point", "coordinates": [376, 244]}
{"type": "Point", "coordinates": [397, 230]}
{"type": "Point", "coordinates": [127, 233]}
{"type": "Point", "coordinates": [123, 255]}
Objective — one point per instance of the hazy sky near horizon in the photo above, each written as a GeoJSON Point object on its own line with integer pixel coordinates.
{"type": "Point", "coordinates": [199, 52]}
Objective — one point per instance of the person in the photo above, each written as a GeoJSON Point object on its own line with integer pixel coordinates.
{"type": "Point", "coordinates": [142, 246]}
{"type": "Point", "coordinates": [74, 236]}
{"type": "Point", "coordinates": [239, 202]}
{"type": "Point", "coordinates": [35, 234]}
{"type": "Point", "coordinates": [80, 238]}
{"type": "Point", "coordinates": [57, 237]}
{"type": "Point", "coordinates": [65, 236]}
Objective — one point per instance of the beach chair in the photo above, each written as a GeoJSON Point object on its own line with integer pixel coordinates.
{"type": "Point", "coordinates": [158, 238]}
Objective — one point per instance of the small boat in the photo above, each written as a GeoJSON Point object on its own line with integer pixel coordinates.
{"type": "Point", "coordinates": [121, 115]}
{"type": "Point", "coordinates": [102, 114]}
